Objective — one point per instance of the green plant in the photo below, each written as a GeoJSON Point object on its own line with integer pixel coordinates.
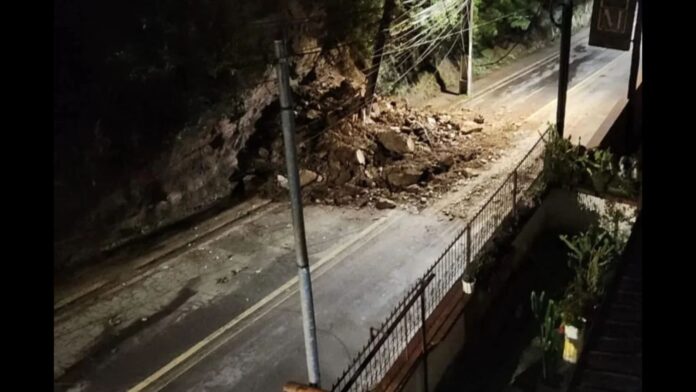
{"type": "Point", "coordinates": [600, 168]}
{"type": "Point", "coordinates": [614, 220]}
{"type": "Point", "coordinates": [627, 182]}
{"type": "Point", "coordinates": [564, 162]}
{"type": "Point", "coordinates": [576, 303]}
{"type": "Point", "coordinates": [591, 255]}
{"type": "Point", "coordinates": [547, 315]}
{"type": "Point", "coordinates": [497, 19]}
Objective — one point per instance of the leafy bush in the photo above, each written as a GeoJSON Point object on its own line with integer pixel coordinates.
{"type": "Point", "coordinates": [568, 165]}
{"type": "Point", "coordinates": [564, 162]}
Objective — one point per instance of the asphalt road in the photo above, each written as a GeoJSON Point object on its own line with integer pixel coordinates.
{"type": "Point", "coordinates": [250, 338]}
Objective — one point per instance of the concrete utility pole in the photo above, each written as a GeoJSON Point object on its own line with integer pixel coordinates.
{"type": "Point", "coordinates": [466, 66]}
{"type": "Point", "coordinates": [305, 281]}
{"type": "Point", "coordinates": [378, 49]}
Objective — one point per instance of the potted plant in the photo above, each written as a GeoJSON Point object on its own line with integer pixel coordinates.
{"type": "Point", "coordinates": [469, 277]}
{"type": "Point", "coordinates": [591, 256]}
{"type": "Point", "coordinates": [574, 307]}
{"type": "Point", "coordinates": [547, 315]}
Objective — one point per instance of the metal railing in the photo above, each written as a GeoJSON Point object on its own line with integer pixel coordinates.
{"type": "Point", "coordinates": [407, 321]}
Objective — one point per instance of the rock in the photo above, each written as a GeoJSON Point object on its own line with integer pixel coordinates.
{"type": "Point", "coordinates": [423, 200]}
{"type": "Point", "coordinates": [404, 177]}
{"type": "Point", "coordinates": [360, 156]}
{"type": "Point", "coordinates": [262, 165]}
{"type": "Point", "coordinates": [307, 177]}
{"type": "Point", "coordinates": [174, 198]}
{"type": "Point", "coordinates": [447, 162]}
{"type": "Point", "coordinates": [283, 182]}
{"type": "Point", "coordinates": [250, 182]}
{"type": "Point", "coordinates": [313, 114]}
{"type": "Point", "coordinates": [479, 119]}
{"type": "Point", "coordinates": [162, 208]}
{"type": "Point", "coordinates": [384, 203]}
{"type": "Point", "coordinates": [114, 321]}
{"type": "Point", "coordinates": [263, 153]}
{"type": "Point", "coordinates": [432, 121]}
{"type": "Point", "coordinates": [471, 172]}
{"type": "Point", "coordinates": [413, 188]}
{"type": "Point", "coordinates": [396, 142]}
{"type": "Point", "coordinates": [470, 127]}
{"type": "Point", "coordinates": [375, 112]}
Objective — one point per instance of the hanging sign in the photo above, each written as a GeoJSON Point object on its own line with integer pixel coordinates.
{"type": "Point", "coordinates": [612, 23]}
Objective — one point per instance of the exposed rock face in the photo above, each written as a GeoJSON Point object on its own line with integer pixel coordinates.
{"type": "Point", "coordinates": [201, 166]}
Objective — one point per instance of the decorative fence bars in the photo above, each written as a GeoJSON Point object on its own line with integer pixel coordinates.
{"type": "Point", "coordinates": [407, 321]}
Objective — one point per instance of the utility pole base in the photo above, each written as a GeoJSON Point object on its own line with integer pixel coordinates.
{"type": "Point", "coordinates": [464, 87]}
{"type": "Point", "coordinates": [296, 387]}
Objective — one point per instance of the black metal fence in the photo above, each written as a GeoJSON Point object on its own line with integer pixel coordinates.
{"type": "Point", "coordinates": [407, 321]}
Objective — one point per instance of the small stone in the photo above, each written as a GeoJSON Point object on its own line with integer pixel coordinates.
{"type": "Point", "coordinates": [263, 153]}
{"type": "Point", "coordinates": [307, 177]}
{"type": "Point", "coordinates": [404, 177]}
{"type": "Point", "coordinates": [479, 119]}
{"type": "Point", "coordinates": [283, 182]}
{"type": "Point", "coordinates": [447, 162]}
{"type": "Point", "coordinates": [360, 156]}
{"type": "Point", "coordinates": [384, 203]}
{"type": "Point", "coordinates": [396, 142]}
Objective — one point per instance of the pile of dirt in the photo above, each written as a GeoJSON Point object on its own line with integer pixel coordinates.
{"type": "Point", "coordinates": [393, 155]}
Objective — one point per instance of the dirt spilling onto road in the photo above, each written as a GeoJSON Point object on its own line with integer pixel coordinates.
{"type": "Point", "coordinates": [393, 156]}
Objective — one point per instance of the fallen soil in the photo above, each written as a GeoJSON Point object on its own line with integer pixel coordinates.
{"type": "Point", "coordinates": [392, 156]}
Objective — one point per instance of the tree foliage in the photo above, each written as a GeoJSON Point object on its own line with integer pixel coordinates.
{"type": "Point", "coordinates": [496, 19]}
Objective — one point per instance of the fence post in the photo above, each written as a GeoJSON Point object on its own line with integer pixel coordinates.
{"type": "Point", "coordinates": [468, 244]}
{"type": "Point", "coordinates": [514, 193]}
{"type": "Point", "coordinates": [424, 336]}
